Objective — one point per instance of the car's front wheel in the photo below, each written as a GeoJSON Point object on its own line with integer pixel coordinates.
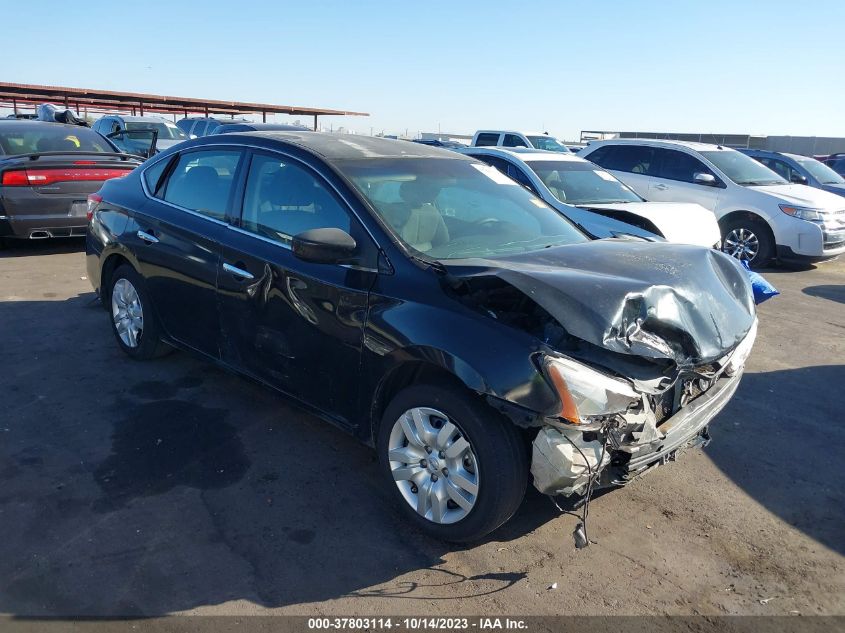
{"type": "Point", "coordinates": [132, 319]}
{"type": "Point", "coordinates": [458, 468]}
{"type": "Point", "coordinates": [748, 240]}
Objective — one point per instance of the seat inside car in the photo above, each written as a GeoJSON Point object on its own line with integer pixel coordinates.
{"type": "Point", "coordinates": [198, 189]}
{"type": "Point", "coordinates": [555, 184]}
{"type": "Point", "coordinates": [288, 202]}
{"type": "Point", "coordinates": [424, 228]}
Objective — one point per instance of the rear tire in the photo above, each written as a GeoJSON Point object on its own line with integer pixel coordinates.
{"type": "Point", "coordinates": [748, 239]}
{"type": "Point", "coordinates": [133, 321]}
{"type": "Point", "coordinates": [493, 462]}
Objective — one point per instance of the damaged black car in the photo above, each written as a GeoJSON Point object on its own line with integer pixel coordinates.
{"type": "Point", "coordinates": [430, 306]}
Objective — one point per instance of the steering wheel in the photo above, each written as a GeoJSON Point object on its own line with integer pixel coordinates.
{"type": "Point", "coordinates": [488, 222]}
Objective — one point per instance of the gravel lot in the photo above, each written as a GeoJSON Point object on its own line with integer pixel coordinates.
{"type": "Point", "coordinates": [153, 488]}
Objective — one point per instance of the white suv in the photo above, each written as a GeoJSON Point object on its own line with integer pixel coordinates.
{"type": "Point", "coordinates": [760, 214]}
{"type": "Point", "coordinates": [511, 138]}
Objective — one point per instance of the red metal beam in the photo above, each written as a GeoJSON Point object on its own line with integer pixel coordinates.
{"type": "Point", "coordinates": [151, 102]}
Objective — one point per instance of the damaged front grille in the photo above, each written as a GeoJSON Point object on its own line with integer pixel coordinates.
{"type": "Point", "coordinates": [688, 387]}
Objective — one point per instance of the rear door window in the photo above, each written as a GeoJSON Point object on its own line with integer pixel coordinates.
{"type": "Point", "coordinates": [636, 159]}
{"type": "Point", "coordinates": [199, 128]}
{"type": "Point", "coordinates": [486, 140]}
{"type": "Point", "coordinates": [203, 181]}
{"type": "Point", "coordinates": [512, 140]}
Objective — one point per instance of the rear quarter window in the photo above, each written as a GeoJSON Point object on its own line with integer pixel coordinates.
{"type": "Point", "coordinates": [486, 140]}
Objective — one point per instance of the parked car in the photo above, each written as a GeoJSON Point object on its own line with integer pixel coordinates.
{"type": "Point", "coordinates": [197, 127]}
{"type": "Point", "coordinates": [457, 328]}
{"type": "Point", "coordinates": [762, 216]}
{"type": "Point", "coordinates": [511, 138]}
{"type": "Point", "coordinates": [801, 170]}
{"type": "Point", "coordinates": [248, 126]}
{"type": "Point", "coordinates": [47, 171]}
{"type": "Point", "coordinates": [119, 129]}
{"type": "Point", "coordinates": [434, 142]}
{"type": "Point", "coordinates": [836, 162]}
{"type": "Point", "coordinates": [566, 181]}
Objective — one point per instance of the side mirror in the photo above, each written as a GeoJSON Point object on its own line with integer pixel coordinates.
{"type": "Point", "coordinates": [797, 178]}
{"type": "Point", "coordinates": [701, 178]}
{"type": "Point", "coordinates": [324, 246]}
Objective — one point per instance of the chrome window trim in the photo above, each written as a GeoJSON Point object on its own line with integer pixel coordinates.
{"type": "Point", "coordinates": [350, 207]}
{"type": "Point", "coordinates": [229, 225]}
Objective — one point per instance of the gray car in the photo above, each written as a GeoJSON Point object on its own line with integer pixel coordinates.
{"type": "Point", "coordinates": [47, 172]}
{"type": "Point", "coordinates": [168, 133]}
{"type": "Point", "coordinates": [801, 170]}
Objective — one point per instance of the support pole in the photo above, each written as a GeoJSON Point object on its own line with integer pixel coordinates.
{"type": "Point", "coordinates": [315, 122]}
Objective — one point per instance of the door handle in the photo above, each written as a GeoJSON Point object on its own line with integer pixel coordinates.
{"type": "Point", "coordinates": [661, 187]}
{"type": "Point", "coordinates": [237, 272]}
{"type": "Point", "coordinates": [147, 237]}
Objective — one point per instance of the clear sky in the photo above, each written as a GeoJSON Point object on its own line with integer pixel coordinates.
{"type": "Point", "coordinates": [753, 66]}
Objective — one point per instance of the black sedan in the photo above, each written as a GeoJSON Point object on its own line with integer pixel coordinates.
{"type": "Point", "coordinates": [47, 171]}
{"type": "Point", "coordinates": [430, 306]}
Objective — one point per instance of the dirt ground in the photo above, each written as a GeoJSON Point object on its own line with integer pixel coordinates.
{"type": "Point", "coordinates": [173, 487]}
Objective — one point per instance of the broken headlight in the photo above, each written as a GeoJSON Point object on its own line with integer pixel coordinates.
{"type": "Point", "coordinates": [586, 395]}
{"type": "Point", "coordinates": [737, 359]}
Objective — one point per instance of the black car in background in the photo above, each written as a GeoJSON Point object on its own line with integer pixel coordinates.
{"type": "Point", "coordinates": [247, 126]}
{"type": "Point", "coordinates": [428, 305]}
{"type": "Point", "coordinates": [197, 127]}
{"type": "Point", "coordinates": [47, 171]}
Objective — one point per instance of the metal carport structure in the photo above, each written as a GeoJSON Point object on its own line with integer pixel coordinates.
{"type": "Point", "coordinates": [13, 95]}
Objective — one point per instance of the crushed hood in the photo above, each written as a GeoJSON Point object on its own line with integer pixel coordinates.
{"type": "Point", "coordinates": [684, 303]}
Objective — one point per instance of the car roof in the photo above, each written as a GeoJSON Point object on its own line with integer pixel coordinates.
{"type": "Point", "coordinates": [771, 152]}
{"type": "Point", "coordinates": [141, 119]}
{"type": "Point", "coordinates": [19, 124]}
{"type": "Point", "coordinates": [523, 132]}
{"type": "Point", "coordinates": [352, 146]}
{"type": "Point", "coordinates": [693, 145]}
{"type": "Point", "coordinates": [267, 126]}
{"type": "Point", "coordinates": [526, 154]}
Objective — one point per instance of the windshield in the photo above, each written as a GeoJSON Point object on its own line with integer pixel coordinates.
{"type": "Point", "coordinates": [453, 209]}
{"type": "Point", "coordinates": [165, 130]}
{"type": "Point", "coordinates": [33, 138]}
{"type": "Point", "coordinates": [742, 169]}
{"type": "Point", "coordinates": [820, 171]}
{"type": "Point", "coordinates": [548, 143]}
{"type": "Point", "coordinates": [576, 182]}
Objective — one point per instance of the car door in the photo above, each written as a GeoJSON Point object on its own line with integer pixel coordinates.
{"type": "Point", "coordinates": [673, 180]}
{"type": "Point", "coordinates": [176, 235]}
{"type": "Point", "coordinates": [295, 325]}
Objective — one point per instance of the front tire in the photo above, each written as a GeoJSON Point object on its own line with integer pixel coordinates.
{"type": "Point", "coordinates": [748, 239]}
{"type": "Point", "coordinates": [458, 468]}
{"type": "Point", "coordinates": [131, 314]}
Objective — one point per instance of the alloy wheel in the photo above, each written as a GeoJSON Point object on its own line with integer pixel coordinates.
{"type": "Point", "coordinates": [742, 244]}
{"type": "Point", "coordinates": [433, 465]}
{"type": "Point", "coordinates": [127, 313]}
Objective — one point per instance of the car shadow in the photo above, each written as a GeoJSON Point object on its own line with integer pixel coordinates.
{"type": "Point", "coordinates": [833, 292]}
{"type": "Point", "coordinates": [55, 246]}
{"type": "Point", "coordinates": [146, 488]}
{"type": "Point", "coordinates": [780, 440]}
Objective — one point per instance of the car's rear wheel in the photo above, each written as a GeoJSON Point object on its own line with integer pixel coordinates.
{"type": "Point", "coordinates": [134, 325]}
{"type": "Point", "coordinates": [458, 468]}
{"type": "Point", "coordinates": [748, 240]}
